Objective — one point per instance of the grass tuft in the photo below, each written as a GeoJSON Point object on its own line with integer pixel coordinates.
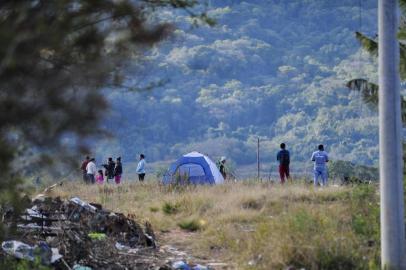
{"type": "Point", "coordinates": [170, 208]}
{"type": "Point", "coordinates": [192, 225]}
{"type": "Point", "coordinates": [253, 203]}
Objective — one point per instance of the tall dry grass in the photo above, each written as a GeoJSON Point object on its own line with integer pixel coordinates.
{"type": "Point", "coordinates": [255, 225]}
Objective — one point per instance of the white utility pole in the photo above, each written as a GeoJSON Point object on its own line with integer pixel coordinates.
{"type": "Point", "coordinates": [258, 166]}
{"type": "Point", "coordinates": [390, 140]}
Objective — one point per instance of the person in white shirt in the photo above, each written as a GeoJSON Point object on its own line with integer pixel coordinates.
{"type": "Point", "coordinates": [141, 168]}
{"type": "Point", "coordinates": [320, 158]}
{"type": "Point", "coordinates": [91, 170]}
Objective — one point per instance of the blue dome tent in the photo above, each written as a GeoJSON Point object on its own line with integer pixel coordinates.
{"type": "Point", "coordinates": [193, 168]}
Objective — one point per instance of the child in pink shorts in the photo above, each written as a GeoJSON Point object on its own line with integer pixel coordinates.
{"type": "Point", "coordinates": [100, 177]}
{"type": "Point", "coordinates": [117, 178]}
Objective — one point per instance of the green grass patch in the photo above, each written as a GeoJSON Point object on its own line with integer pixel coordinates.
{"type": "Point", "coordinates": [154, 209]}
{"type": "Point", "coordinates": [191, 225]}
{"type": "Point", "coordinates": [97, 236]}
{"type": "Point", "coordinates": [170, 208]}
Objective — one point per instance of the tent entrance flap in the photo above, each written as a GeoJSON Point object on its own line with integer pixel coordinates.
{"type": "Point", "coordinates": [193, 172]}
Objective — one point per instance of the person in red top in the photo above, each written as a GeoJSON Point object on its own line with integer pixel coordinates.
{"type": "Point", "coordinates": [83, 168]}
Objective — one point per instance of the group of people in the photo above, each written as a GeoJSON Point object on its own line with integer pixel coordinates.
{"type": "Point", "coordinates": [112, 170]}
{"type": "Point", "coordinates": [319, 157]}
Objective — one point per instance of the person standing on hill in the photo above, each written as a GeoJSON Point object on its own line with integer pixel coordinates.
{"type": "Point", "coordinates": [222, 167]}
{"type": "Point", "coordinates": [141, 168]}
{"type": "Point", "coordinates": [118, 171]}
{"type": "Point", "coordinates": [91, 171]}
{"type": "Point", "coordinates": [283, 157]}
{"type": "Point", "coordinates": [320, 158]}
{"type": "Point", "coordinates": [109, 167]}
{"type": "Point", "coordinates": [83, 168]}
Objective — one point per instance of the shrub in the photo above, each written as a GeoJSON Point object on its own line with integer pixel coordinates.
{"type": "Point", "coordinates": [350, 173]}
{"type": "Point", "coordinates": [192, 224]}
{"type": "Point", "coordinates": [365, 212]}
{"type": "Point", "coordinates": [170, 208]}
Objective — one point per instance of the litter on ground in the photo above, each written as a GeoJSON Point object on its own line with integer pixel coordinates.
{"type": "Point", "coordinates": [75, 234]}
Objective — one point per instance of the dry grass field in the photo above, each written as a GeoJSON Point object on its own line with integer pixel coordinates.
{"type": "Point", "coordinates": [252, 225]}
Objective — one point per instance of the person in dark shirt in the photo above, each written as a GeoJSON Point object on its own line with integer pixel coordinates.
{"type": "Point", "coordinates": [118, 171]}
{"type": "Point", "coordinates": [284, 160]}
{"type": "Point", "coordinates": [109, 169]}
{"type": "Point", "coordinates": [223, 167]}
{"type": "Point", "coordinates": [83, 168]}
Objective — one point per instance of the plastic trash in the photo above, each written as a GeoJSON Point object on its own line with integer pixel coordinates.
{"type": "Point", "coordinates": [125, 248]}
{"type": "Point", "coordinates": [31, 213]}
{"type": "Point", "coordinates": [18, 249]}
{"type": "Point", "coordinates": [181, 265]}
{"type": "Point", "coordinates": [55, 255]}
{"type": "Point", "coordinates": [200, 267]}
{"type": "Point", "coordinates": [81, 267]}
{"type": "Point", "coordinates": [84, 204]}
{"type": "Point", "coordinates": [120, 246]}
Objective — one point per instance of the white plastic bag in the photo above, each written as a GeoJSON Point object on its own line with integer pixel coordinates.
{"type": "Point", "coordinates": [18, 249]}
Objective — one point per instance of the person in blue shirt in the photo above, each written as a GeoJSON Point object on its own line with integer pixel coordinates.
{"type": "Point", "coordinates": [320, 158]}
{"type": "Point", "coordinates": [283, 157]}
{"type": "Point", "coordinates": [141, 168]}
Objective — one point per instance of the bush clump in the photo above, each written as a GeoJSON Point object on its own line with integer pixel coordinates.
{"type": "Point", "coordinates": [192, 225]}
{"type": "Point", "coordinates": [170, 208]}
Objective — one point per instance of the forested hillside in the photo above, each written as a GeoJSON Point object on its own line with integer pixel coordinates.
{"type": "Point", "coordinates": [273, 69]}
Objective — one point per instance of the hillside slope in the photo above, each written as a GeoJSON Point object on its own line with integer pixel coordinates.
{"type": "Point", "coordinates": [273, 69]}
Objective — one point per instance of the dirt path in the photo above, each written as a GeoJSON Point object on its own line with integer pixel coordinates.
{"type": "Point", "coordinates": [179, 243]}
